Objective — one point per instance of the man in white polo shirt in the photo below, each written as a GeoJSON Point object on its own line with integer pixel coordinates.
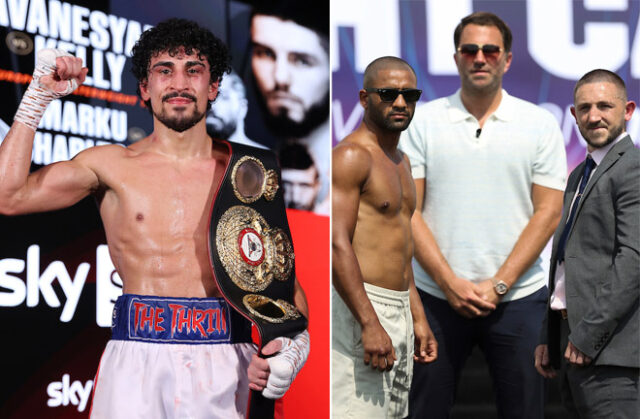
{"type": "Point", "coordinates": [490, 171]}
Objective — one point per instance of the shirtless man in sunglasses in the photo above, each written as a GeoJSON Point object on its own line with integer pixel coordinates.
{"type": "Point", "coordinates": [375, 305]}
{"type": "Point", "coordinates": [489, 171]}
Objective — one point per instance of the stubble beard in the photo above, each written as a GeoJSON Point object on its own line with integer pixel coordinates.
{"type": "Point", "coordinates": [181, 122]}
{"type": "Point", "coordinates": [614, 132]}
{"type": "Point", "coordinates": [385, 122]}
{"type": "Point", "coordinates": [389, 125]}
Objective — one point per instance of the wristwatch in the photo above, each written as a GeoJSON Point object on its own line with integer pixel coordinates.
{"type": "Point", "coordinates": [500, 287]}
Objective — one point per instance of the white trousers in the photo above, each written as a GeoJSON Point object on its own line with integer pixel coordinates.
{"type": "Point", "coordinates": [358, 391]}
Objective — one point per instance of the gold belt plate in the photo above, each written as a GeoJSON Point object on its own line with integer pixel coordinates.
{"type": "Point", "coordinates": [273, 311]}
{"type": "Point", "coordinates": [252, 253]}
{"type": "Point", "coordinates": [250, 180]}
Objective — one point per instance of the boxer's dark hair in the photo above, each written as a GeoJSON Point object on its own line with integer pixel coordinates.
{"type": "Point", "coordinates": [312, 14]}
{"type": "Point", "coordinates": [171, 36]}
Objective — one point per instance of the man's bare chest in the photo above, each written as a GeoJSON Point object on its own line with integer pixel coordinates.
{"type": "Point", "coordinates": [176, 201]}
{"type": "Point", "coordinates": [390, 189]}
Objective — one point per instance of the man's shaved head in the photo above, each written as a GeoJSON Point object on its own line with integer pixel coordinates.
{"type": "Point", "coordinates": [383, 63]}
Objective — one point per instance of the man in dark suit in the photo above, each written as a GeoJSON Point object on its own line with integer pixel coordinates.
{"type": "Point", "coordinates": [595, 262]}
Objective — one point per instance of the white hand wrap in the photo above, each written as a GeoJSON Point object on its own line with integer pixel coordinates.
{"type": "Point", "coordinates": [286, 364]}
{"type": "Point", "coordinates": [37, 97]}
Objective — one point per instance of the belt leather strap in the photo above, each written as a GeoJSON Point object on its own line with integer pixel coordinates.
{"type": "Point", "coordinates": [250, 250]}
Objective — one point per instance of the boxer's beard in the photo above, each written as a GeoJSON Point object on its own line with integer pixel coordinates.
{"type": "Point", "coordinates": [222, 131]}
{"type": "Point", "coordinates": [283, 126]}
{"type": "Point", "coordinates": [181, 122]}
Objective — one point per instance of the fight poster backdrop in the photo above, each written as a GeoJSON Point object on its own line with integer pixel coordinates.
{"type": "Point", "coordinates": [57, 282]}
{"type": "Point", "coordinates": [555, 42]}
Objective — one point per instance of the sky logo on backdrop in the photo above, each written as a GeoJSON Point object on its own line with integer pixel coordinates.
{"type": "Point", "coordinates": [66, 392]}
{"type": "Point", "coordinates": [26, 281]}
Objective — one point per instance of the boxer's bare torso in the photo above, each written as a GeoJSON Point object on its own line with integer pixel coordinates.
{"type": "Point", "coordinates": [381, 237]}
{"type": "Point", "coordinates": [374, 198]}
{"type": "Point", "coordinates": [155, 209]}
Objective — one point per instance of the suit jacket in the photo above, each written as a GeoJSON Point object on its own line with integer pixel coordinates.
{"type": "Point", "coordinates": [602, 263]}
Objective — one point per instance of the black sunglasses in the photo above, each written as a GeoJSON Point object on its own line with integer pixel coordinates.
{"type": "Point", "coordinates": [390, 95]}
{"type": "Point", "coordinates": [488, 50]}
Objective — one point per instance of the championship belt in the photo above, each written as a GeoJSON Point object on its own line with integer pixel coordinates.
{"type": "Point", "coordinates": [251, 252]}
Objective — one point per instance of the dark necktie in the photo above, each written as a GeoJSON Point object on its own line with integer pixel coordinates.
{"type": "Point", "coordinates": [588, 166]}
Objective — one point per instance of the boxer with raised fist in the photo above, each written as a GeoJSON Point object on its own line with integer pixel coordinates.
{"type": "Point", "coordinates": [178, 349]}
